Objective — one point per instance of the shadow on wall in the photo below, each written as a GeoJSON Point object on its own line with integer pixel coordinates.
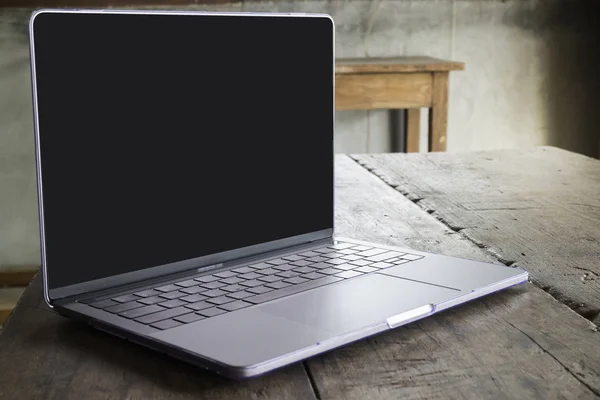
{"type": "Point", "coordinates": [573, 90]}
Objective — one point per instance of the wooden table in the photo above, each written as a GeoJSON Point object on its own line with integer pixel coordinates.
{"type": "Point", "coordinates": [407, 83]}
{"type": "Point", "coordinates": [539, 209]}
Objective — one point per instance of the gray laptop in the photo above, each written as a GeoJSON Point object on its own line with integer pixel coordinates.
{"type": "Point", "coordinates": [186, 191]}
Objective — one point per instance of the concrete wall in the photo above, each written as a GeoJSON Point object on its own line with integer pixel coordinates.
{"type": "Point", "coordinates": [532, 68]}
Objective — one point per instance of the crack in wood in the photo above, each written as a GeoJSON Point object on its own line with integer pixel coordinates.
{"type": "Point", "coordinates": [567, 369]}
{"type": "Point", "coordinates": [311, 380]}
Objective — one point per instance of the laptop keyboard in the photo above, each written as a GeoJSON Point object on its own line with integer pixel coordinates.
{"type": "Point", "coordinates": [206, 296]}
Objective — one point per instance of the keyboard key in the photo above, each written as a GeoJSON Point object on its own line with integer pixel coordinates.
{"type": "Point", "coordinates": [138, 312]}
{"type": "Point", "coordinates": [243, 270]}
{"type": "Point", "coordinates": [366, 270]}
{"type": "Point", "coordinates": [241, 295]}
{"type": "Point", "coordinates": [166, 324]}
{"type": "Point", "coordinates": [284, 267]}
{"type": "Point", "coordinates": [187, 318]}
{"type": "Point", "coordinates": [398, 262]}
{"type": "Point", "coordinates": [194, 289]}
{"type": "Point", "coordinates": [341, 245]}
{"type": "Point", "coordinates": [233, 288]}
{"type": "Point", "coordinates": [172, 295]}
{"type": "Point", "coordinates": [295, 280]}
{"type": "Point", "coordinates": [317, 259]}
{"type": "Point", "coordinates": [270, 278]}
{"type": "Point", "coordinates": [161, 315]}
{"type": "Point", "coordinates": [268, 271]}
{"type": "Point", "coordinates": [188, 283]}
{"type": "Point", "coordinates": [123, 307]}
{"type": "Point", "coordinates": [236, 305]}
{"type": "Point", "coordinates": [411, 257]}
{"type": "Point", "coordinates": [322, 250]}
{"type": "Point", "coordinates": [277, 261]}
{"type": "Point", "coordinates": [335, 261]}
{"type": "Point", "coordinates": [331, 271]}
{"type": "Point", "coordinates": [333, 254]}
{"type": "Point", "coordinates": [372, 252]}
{"type": "Point", "coordinates": [211, 312]}
{"type": "Point", "coordinates": [148, 293]}
{"type": "Point", "coordinates": [220, 300]}
{"type": "Point", "coordinates": [172, 303]}
{"type": "Point", "coordinates": [293, 257]}
{"type": "Point", "coordinates": [301, 263]}
{"type": "Point", "coordinates": [361, 248]}
{"type": "Point", "coordinates": [207, 278]}
{"type": "Point", "coordinates": [277, 285]}
{"type": "Point", "coordinates": [104, 304]}
{"type": "Point", "coordinates": [201, 305]}
{"type": "Point", "coordinates": [320, 265]}
{"type": "Point", "coordinates": [225, 274]}
{"type": "Point", "coordinates": [312, 275]}
{"type": "Point", "coordinates": [381, 265]}
{"type": "Point", "coordinates": [213, 285]}
{"type": "Point", "coordinates": [276, 294]}
{"type": "Point", "coordinates": [250, 275]}
{"type": "Point", "coordinates": [251, 283]}
{"type": "Point", "coordinates": [194, 298]}
{"type": "Point", "coordinates": [348, 274]}
{"type": "Point", "coordinates": [260, 290]}
{"type": "Point", "coordinates": [345, 267]}
{"type": "Point", "coordinates": [231, 281]}
{"type": "Point", "coordinates": [347, 251]}
{"type": "Point", "coordinates": [351, 257]}
{"type": "Point", "coordinates": [305, 270]}
{"type": "Point", "coordinates": [151, 300]}
{"type": "Point", "coordinates": [260, 265]}
{"type": "Point", "coordinates": [288, 274]}
{"type": "Point", "coordinates": [167, 288]}
{"type": "Point", "coordinates": [214, 293]}
{"type": "Point", "coordinates": [308, 254]}
{"type": "Point", "coordinates": [360, 263]}
{"type": "Point", "coordinates": [126, 298]}
{"type": "Point", "coordinates": [384, 256]}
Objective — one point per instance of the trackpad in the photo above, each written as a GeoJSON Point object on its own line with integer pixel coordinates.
{"type": "Point", "coordinates": [357, 303]}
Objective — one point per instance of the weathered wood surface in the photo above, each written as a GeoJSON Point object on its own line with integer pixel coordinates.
{"type": "Point", "coordinates": [395, 64]}
{"type": "Point", "coordinates": [516, 344]}
{"type": "Point", "coordinates": [538, 208]}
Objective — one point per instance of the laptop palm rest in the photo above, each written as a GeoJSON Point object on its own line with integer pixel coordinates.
{"type": "Point", "coordinates": [257, 334]}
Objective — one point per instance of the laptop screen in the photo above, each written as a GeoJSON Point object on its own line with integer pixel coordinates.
{"type": "Point", "coordinates": [165, 138]}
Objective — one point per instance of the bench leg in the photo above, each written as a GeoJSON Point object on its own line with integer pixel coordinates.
{"type": "Point", "coordinates": [438, 114]}
{"type": "Point", "coordinates": [412, 129]}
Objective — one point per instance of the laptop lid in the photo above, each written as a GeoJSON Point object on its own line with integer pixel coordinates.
{"type": "Point", "coordinates": [168, 141]}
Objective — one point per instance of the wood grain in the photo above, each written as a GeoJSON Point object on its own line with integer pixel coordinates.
{"type": "Point", "coordinates": [395, 64]}
{"type": "Point", "coordinates": [538, 208]}
{"type": "Point", "coordinates": [412, 127]}
{"type": "Point", "coordinates": [382, 91]}
{"type": "Point", "coordinates": [438, 115]}
{"type": "Point", "coordinates": [517, 344]}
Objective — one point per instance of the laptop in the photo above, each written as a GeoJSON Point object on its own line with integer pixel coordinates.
{"type": "Point", "coordinates": [185, 174]}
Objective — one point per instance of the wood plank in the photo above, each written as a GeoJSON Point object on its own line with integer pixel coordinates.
{"type": "Point", "coordinates": [538, 208]}
{"type": "Point", "coordinates": [17, 276]}
{"type": "Point", "coordinates": [373, 91]}
{"type": "Point", "coordinates": [516, 344]}
{"type": "Point", "coordinates": [438, 115]}
{"type": "Point", "coordinates": [412, 127]}
{"type": "Point", "coordinates": [9, 297]}
{"type": "Point", "coordinates": [395, 64]}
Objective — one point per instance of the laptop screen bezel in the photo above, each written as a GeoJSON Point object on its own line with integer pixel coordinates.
{"type": "Point", "coordinates": [195, 264]}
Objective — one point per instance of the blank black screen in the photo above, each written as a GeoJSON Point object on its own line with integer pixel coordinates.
{"type": "Point", "coordinates": [169, 137]}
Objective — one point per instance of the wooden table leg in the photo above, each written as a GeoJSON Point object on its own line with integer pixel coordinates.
{"type": "Point", "coordinates": [438, 114]}
{"type": "Point", "coordinates": [412, 129]}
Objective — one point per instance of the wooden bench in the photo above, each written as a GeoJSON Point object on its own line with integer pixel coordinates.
{"type": "Point", "coordinates": [407, 83]}
{"type": "Point", "coordinates": [13, 282]}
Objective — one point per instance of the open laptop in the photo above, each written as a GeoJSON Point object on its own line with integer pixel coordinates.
{"type": "Point", "coordinates": [186, 191]}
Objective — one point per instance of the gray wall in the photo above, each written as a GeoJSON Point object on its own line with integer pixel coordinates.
{"type": "Point", "coordinates": [531, 72]}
